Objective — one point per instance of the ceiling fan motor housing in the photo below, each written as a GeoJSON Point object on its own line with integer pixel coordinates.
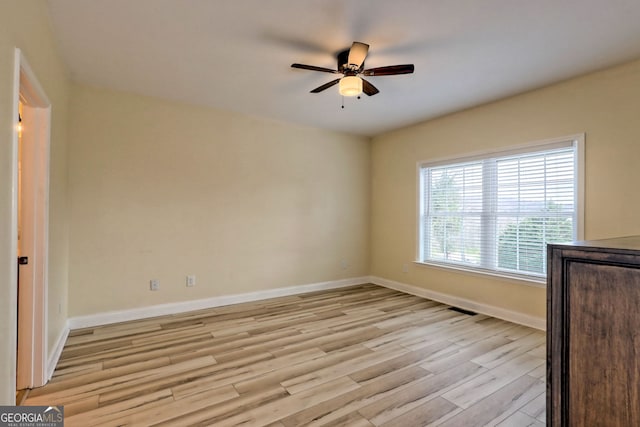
{"type": "Point", "coordinates": [343, 64]}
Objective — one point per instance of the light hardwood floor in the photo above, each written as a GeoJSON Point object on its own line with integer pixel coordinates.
{"type": "Point", "coordinates": [358, 356]}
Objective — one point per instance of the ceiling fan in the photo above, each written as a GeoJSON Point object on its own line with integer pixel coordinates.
{"type": "Point", "coordinates": [351, 66]}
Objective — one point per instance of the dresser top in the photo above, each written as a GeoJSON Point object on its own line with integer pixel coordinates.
{"type": "Point", "coordinates": [631, 243]}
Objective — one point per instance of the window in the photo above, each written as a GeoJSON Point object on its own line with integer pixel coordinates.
{"type": "Point", "coordinates": [496, 212]}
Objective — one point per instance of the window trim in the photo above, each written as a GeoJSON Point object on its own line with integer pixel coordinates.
{"type": "Point", "coordinates": [575, 140]}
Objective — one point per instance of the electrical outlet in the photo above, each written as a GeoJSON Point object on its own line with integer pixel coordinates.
{"type": "Point", "coordinates": [191, 281]}
{"type": "Point", "coordinates": [344, 264]}
{"type": "Point", "coordinates": [154, 285]}
{"type": "Point", "coordinates": [405, 268]}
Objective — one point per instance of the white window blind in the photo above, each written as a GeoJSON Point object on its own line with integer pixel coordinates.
{"type": "Point", "coordinates": [497, 212]}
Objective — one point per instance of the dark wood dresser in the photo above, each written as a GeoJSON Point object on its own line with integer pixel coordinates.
{"type": "Point", "coordinates": [593, 333]}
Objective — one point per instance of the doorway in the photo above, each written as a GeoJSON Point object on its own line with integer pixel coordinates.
{"type": "Point", "coordinates": [31, 182]}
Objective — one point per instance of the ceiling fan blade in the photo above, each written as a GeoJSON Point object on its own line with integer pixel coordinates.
{"type": "Point", "coordinates": [314, 68]}
{"type": "Point", "coordinates": [368, 88]}
{"type": "Point", "coordinates": [358, 53]}
{"type": "Point", "coordinates": [390, 70]}
{"type": "Point", "coordinates": [326, 86]}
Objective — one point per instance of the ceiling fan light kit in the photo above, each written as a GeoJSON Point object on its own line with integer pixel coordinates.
{"type": "Point", "coordinates": [350, 86]}
{"type": "Point", "coordinates": [351, 66]}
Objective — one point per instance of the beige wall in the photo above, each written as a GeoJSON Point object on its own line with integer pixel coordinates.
{"type": "Point", "coordinates": [25, 25]}
{"type": "Point", "coordinates": [604, 105]}
{"type": "Point", "coordinates": [160, 190]}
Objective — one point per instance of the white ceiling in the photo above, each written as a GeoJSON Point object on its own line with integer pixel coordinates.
{"type": "Point", "coordinates": [236, 54]}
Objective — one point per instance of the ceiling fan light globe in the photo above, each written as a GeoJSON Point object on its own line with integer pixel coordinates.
{"type": "Point", "coordinates": [350, 86]}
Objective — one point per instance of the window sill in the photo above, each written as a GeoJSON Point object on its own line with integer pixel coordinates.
{"type": "Point", "coordinates": [538, 282]}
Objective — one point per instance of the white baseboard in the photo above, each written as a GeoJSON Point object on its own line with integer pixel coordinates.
{"type": "Point", "coordinates": [57, 351]}
{"type": "Point", "coordinates": [501, 313]}
{"type": "Point", "coordinates": [181, 307]}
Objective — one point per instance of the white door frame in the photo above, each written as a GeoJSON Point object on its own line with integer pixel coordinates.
{"type": "Point", "coordinates": [32, 304]}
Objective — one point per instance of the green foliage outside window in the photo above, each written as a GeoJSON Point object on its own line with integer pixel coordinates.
{"type": "Point", "coordinates": [521, 246]}
{"type": "Point", "coordinates": [445, 229]}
